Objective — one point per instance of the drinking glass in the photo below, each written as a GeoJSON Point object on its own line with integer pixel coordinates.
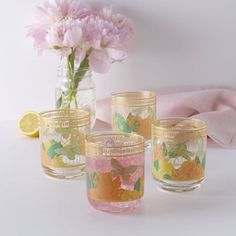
{"type": "Point", "coordinates": [62, 135]}
{"type": "Point", "coordinates": [179, 153]}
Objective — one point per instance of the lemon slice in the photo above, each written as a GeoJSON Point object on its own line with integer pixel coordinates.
{"type": "Point", "coordinates": [28, 124]}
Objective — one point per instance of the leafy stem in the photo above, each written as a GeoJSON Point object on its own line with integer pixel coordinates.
{"type": "Point", "coordinates": [74, 77]}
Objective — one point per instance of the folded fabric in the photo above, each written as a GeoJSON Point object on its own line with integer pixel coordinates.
{"type": "Point", "coordinates": [214, 105]}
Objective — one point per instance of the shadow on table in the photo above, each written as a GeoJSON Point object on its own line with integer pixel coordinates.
{"type": "Point", "coordinates": [212, 197]}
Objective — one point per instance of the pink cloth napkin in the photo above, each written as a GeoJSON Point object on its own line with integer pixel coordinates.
{"type": "Point", "coordinates": [215, 106]}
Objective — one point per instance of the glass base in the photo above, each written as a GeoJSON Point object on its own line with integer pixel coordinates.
{"type": "Point", "coordinates": [65, 173]}
{"type": "Point", "coordinates": [179, 186]}
{"type": "Point", "coordinates": [115, 207]}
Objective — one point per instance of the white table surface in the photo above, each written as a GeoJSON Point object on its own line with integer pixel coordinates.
{"type": "Point", "coordinates": [32, 205]}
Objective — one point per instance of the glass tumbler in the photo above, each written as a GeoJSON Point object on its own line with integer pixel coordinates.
{"type": "Point", "coordinates": [62, 135]}
{"type": "Point", "coordinates": [134, 112]}
{"type": "Point", "coordinates": [179, 153]}
{"type": "Point", "coordinates": [115, 171]}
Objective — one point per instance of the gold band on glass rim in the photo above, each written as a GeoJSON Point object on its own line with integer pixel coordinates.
{"type": "Point", "coordinates": [64, 118]}
{"type": "Point", "coordinates": [141, 98]}
{"type": "Point", "coordinates": [95, 145]}
{"type": "Point", "coordinates": [170, 127]}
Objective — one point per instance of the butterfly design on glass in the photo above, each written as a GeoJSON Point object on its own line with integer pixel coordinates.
{"type": "Point", "coordinates": [119, 170]}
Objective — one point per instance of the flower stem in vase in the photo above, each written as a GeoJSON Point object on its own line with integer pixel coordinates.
{"type": "Point", "coordinates": [68, 98]}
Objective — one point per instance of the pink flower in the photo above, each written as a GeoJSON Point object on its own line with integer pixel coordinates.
{"type": "Point", "coordinates": [72, 37]}
{"type": "Point", "coordinates": [99, 61]}
{"type": "Point", "coordinates": [56, 21]}
{"type": "Point", "coordinates": [115, 33]}
{"type": "Point", "coordinates": [101, 36]}
{"type": "Point", "coordinates": [64, 34]}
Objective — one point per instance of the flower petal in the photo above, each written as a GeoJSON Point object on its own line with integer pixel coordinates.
{"type": "Point", "coordinates": [72, 37]}
{"type": "Point", "coordinates": [117, 55]}
{"type": "Point", "coordinates": [99, 61]}
{"type": "Point", "coordinates": [80, 55]}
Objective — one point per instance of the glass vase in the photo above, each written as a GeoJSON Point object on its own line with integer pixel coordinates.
{"type": "Point", "coordinates": [76, 90]}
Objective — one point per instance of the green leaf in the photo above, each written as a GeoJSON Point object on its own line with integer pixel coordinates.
{"type": "Point", "coordinates": [137, 185]}
{"type": "Point", "coordinates": [156, 165]}
{"type": "Point", "coordinates": [51, 151]}
{"type": "Point", "coordinates": [172, 154]}
{"type": "Point", "coordinates": [65, 152]}
{"type": "Point", "coordinates": [187, 155]}
{"type": "Point", "coordinates": [136, 124]}
{"type": "Point", "coordinates": [204, 161]}
{"type": "Point", "coordinates": [164, 149]}
{"type": "Point", "coordinates": [88, 181]}
{"type": "Point", "coordinates": [91, 181]}
{"type": "Point", "coordinates": [75, 146]}
{"type": "Point", "coordinates": [80, 72]}
{"type": "Point", "coordinates": [59, 102]}
{"type": "Point", "coordinates": [166, 176]}
{"type": "Point", "coordinates": [198, 160]}
{"type": "Point", "coordinates": [121, 124]}
{"type": "Point", "coordinates": [71, 60]}
{"type": "Point", "coordinates": [181, 145]}
{"type": "Point", "coordinates": [94, 178]}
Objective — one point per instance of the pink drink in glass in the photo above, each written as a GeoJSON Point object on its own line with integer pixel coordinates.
{"type": "Point", "coordinates": [115, 183]}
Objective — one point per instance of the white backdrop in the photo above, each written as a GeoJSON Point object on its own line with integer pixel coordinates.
{"type": "Point", "coordinates": [178, 42]}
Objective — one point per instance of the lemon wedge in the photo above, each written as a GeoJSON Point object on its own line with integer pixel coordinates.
{"type": "Point", "coordinates": [28, 124]}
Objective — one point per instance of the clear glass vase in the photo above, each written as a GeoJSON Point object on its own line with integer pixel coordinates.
{"type": "Point", "coordinates": [76, 94]}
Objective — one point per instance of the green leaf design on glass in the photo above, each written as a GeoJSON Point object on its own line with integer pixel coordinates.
{"type": "Point", "coordinates": [201, 162]}
{"type": "Point", "coordinates": [166, 176]}
{"type": "Point", "coordinates": [204, 161]}
{"type": "Point", "coordinates": [94, 179]}
{"type": "Point", "coordinates": [201, 154]}
{"type": "Point", "coordinates": [156, 164]}
{"type": "Point", "coordinates": [75, 145]}
{"type": "Point", "coordinates": [70, 153]}
{"type": "Point", "coordinates": [121, 124]}
{"type": "Point", "coordinates": [178, 150]}
{"type": "Point", "coordinates": [164, 149]}
{"type": "Point", "coordinates": [65, 132]}
{"type": "Point", "coordinates": [51, 151]}
{"type": "Point", "coordinates": [198, 160]}
{"type": "Point", "coordinates": [65, 152]}
{"type": "Point", "coordinates": [91, 181]}
{"type": "Point", "coordinates": [137, 185]}
{"type": "Point", "coordinates": [88, 181]}
{"type": "Point", "coordinates": [140, 110]}
{"type": "Point", "coordinates": [151, 113]}
{"type": "Point", "coordinates": [136, 124]}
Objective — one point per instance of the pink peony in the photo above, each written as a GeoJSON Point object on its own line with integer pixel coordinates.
{"type": "Point", "coordinates": [111, 40]}
{"type": "Point", "coordinates": [57, 25]}
{"type": "Point", "coordinates": [66, 26]}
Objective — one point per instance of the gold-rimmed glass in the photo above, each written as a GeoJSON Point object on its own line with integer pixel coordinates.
{"type": "Point", "coordinates": [62, 135]}
{"type": "Point", "coordinates": [179, 153]}
{"type": "Point", "coordinates": [133, 112]}
{"type": "Point", "coordinates": [115, 171]}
